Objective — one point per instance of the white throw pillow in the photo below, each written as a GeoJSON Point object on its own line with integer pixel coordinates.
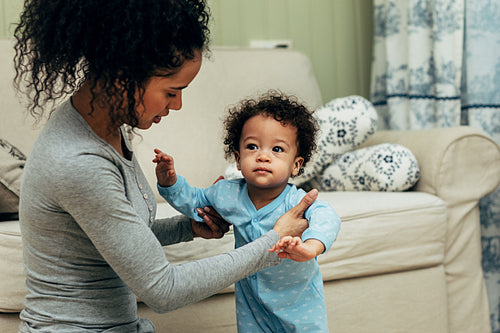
{"type": "Point", "coordinates": [232, 172]}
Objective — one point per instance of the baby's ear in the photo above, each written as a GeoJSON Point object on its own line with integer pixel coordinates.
{"type": "Point", "coordinates": [297, 164]}
{"type": "Point", "coordinates": [237, 159]}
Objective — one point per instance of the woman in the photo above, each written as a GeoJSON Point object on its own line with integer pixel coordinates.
{"type": "Point", "coordinates": [91, 241]}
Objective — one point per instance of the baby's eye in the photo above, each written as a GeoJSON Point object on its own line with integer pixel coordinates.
{"type": "Point", "coordinates": [171, 95]}
{"type": "Point", "coordinates": [278, 149]}
{"type": "Point", "coordinates": [251, 146]}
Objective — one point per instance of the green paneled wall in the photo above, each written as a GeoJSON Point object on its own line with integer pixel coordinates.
{"type": "Point", "coordinates": [335, 34]}
{"type": "Point", "coordinates": [9, 12]}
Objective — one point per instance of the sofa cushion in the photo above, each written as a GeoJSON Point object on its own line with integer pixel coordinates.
{"type": "Point", "coordinates": [385, 232]}
{"type": "Point", "coordinates": [12, 288]}
{"type": "Point", "coordinates": [11, 167]}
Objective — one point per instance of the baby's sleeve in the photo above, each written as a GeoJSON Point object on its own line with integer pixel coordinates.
{"type": "Point", "coordinates": [185, 198]}
{"type": "Point", "coordinates": [324, 223]}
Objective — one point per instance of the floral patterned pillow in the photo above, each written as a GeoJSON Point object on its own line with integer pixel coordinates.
{"type": "Point", "coordinates": [12, 162]}
{"type": "Point", "coordinates": [385, 167]}
{"type": "Point", "coordinates": [345, 123]}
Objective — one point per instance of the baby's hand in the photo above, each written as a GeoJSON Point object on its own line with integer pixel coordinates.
{"type": "Point", "coordinates": [165, 171]}
{"type": "Point", "coordinates": [293, 248]}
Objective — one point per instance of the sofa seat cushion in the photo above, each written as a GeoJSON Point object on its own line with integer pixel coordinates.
{"type": "Point", "coordinates": [12, 288]}
{"type": "Point", "coordinates": [382, 232]}
{"type": "Point", "coordinates": [385, 232]}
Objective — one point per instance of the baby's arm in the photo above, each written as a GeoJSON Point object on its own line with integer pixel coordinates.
{"type": "Point", "coordinates": [293, 248]}
{"type": "Point", "coordinates": [165, 171]}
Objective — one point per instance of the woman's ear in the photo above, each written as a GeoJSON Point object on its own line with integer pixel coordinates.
{"type": "Point", "coordinates": [237, 159]}
{"type": "Point", "coordinates": [297, 164]}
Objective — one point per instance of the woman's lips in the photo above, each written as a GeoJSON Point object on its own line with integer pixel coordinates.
{"type": "Point", "coordinates": [156, 119]}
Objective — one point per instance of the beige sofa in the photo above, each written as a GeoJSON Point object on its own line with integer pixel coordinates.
{"type": "Point", "coordinates": [403, 262]}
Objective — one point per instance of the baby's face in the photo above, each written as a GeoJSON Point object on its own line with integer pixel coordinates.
{"type": "Point", "coordinates": [268, 152]}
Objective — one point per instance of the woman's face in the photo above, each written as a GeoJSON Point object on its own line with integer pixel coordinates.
{"type": "Point", "coordinates": [164, 93]}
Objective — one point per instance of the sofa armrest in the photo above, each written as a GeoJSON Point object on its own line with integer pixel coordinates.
{"type": "Point", "coordinates": [456, 164]}
{"type": "Point", "coordinates": [460, 165]}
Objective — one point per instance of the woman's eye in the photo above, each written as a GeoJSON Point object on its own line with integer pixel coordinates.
{"type": "Point", "coordinates": [278, 149]}
{"type": "Point", "coordinates": [171, 95]}
{"type": "Point", "coordinates": [251, 146]}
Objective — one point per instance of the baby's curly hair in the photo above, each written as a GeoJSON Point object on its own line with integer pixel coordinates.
{"type": "Point", "coordinates": [61, 43]}
{"type": "Point", "coordinates": [283, 108]}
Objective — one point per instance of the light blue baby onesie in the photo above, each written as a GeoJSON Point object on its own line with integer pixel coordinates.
{"type": "Point", "coordinates": [285, 298]}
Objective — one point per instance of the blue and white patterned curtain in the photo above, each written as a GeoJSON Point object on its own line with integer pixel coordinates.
{"type": "Point", "coordinates": [436, 63]}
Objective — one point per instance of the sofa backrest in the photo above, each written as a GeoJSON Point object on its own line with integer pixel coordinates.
{"type": "Point", "coordinates": [15, 125]}
{"type": "Point", "coordinates": [194, 134]}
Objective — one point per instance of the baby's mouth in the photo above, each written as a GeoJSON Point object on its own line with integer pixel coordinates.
{"type": "Point", "coordinates": [262, 170]}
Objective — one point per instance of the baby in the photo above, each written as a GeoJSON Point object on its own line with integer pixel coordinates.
{"type": "Point", "coordinates": [271, 139]}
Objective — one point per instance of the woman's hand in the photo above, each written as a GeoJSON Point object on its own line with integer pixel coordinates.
{"type": "Point", "coordinates": [214, 227]}
{"type": "Point", "coordinates": [293, 223]}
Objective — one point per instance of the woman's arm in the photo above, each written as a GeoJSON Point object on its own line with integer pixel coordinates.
{"type": "Point", "coordinates": [178, 229]}
{"type": "Point", "coordinates": [173, 230]}
{"type": "Point", "coordinates": [95, 197]}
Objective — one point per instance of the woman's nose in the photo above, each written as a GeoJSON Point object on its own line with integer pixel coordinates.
{"type": "Point", "coordinates": [176, 102]}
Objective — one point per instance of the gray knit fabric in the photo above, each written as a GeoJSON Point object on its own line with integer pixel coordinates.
{"type": "Point", "coordinates": [91, 243]}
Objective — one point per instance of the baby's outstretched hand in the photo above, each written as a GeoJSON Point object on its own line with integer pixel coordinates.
{"type": "Point", "coordinates": [165, 171]}
{"type": "Point", "coordinates": [293, 248]}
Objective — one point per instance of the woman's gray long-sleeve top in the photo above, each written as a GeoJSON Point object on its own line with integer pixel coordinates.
{"type": "Point", "coordinates": [91, 242]}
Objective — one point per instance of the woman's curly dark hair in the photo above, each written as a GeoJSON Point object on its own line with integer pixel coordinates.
{"type": "Point", "coordinates": [283, 108]}
{"type": "Point", "coordinates": [61, 43]}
